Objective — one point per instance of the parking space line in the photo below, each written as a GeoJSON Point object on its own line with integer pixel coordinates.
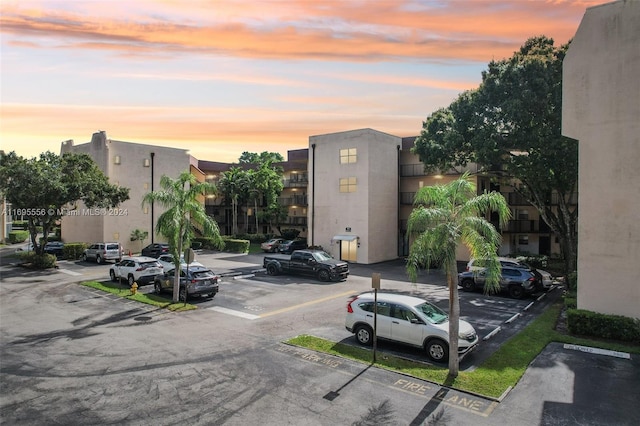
{"type": "Point", "coordinates": [234, 312]}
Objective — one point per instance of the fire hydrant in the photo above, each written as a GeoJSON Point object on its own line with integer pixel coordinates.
{"type": "Point", "coordinates": [134, 288]}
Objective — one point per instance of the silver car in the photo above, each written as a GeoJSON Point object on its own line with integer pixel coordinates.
{"type": "Point", "coordinates": [103, 251]}
{"type": "Point", "coordinates": [408, 320]}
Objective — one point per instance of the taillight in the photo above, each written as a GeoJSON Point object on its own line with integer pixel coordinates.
{"type": "Point", "coordinates": [349, 308]}
{"type": "Point", "coordinates": [532, 279]}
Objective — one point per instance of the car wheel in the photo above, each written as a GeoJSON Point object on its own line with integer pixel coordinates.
{"type": "Point", "coordinates": [130, 280]}
{"type": "Point", "coordinates": [212, 295]}
{"type": "Point", "coordinates": [468, 285]}
{"type": "Point", "coordinates": [437, 350]}
{"type": "Point", "coordinates": [323, 275]}
{"type": "Point", "coordinates": [84, 257]}
{"type": "Point", "coordinates": [183, 294]}
{"type": "Point", "coordinates": [516, 291]}
{"type": "Point", "coordinates": [364, 335]}
{"type": "Point", "coordinates": [98, 259]}
{"type": "Point", "coordinates": [157, 288]}
{"type": "Point", "coordinates": [112, 275]}
{"type": "Point", "coordinates": [272, 269]}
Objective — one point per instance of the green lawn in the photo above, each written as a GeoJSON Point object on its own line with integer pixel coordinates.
{"type": "Point", "coordinates": [492, 378]}
{"type": "Point", "coordinates": [149, 299]}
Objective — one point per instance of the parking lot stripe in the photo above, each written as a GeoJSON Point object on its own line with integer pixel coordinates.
{"type": "Point", "coordinates": [311, 302]}
{"type": "Point", "coordinates": [233, 312]}
{"type": "Point", "coordinates": [68, 272]}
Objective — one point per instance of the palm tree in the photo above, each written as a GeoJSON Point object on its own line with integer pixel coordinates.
{"type": "Point", "coordinates": [444, 217]}
{"type": "Point", "coordinates": [233, 183]}
{"type": "Point", "coordinates": [180, 198]}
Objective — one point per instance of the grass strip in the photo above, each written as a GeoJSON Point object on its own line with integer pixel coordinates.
{"type": "Point", "coordinates": [149, 299]}
{"type": "Point", "coordinates": [503, 369]}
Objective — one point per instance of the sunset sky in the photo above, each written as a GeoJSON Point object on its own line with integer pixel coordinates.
{"type": "Point", "coordinates": [219, 77]}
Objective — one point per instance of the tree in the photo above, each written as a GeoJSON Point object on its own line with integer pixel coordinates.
{"type": "Point", "coordinates": [444, 217]}
{"type": "Point", "coordinates": [183, 209]}
{"type": "Point", "coordinates": [511, 127]}
{"type": "Point", "coordinates": [139, 235]}
{"type": "Point", "coordinates": [233, 184]}
{"type": "Point", "coordinates": [255, 158]}
{"type": "Point", "coordinates": [48, 187]}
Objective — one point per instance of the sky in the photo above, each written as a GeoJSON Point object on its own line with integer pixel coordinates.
{"type": "Point", "coordinates": [220, 77]}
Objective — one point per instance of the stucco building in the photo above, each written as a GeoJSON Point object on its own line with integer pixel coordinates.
{"type": "Point", "coordinates": [601, 109]}
{"type": "Point", "coordinates": [135, 166]}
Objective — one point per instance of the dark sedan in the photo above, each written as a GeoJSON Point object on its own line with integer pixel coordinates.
{"type": "Point", "coordinates": [155, 250]}
{"type": "Point", "coordinates": [54, 247]}
{"type": "Point", "coordinates": [290, 246]}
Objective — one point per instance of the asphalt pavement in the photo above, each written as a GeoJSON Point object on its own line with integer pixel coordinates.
{"type": "Point", "coordinates": [564, 385]}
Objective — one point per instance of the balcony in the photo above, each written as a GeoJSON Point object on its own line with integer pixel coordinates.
{"type": "Point", "coordinates": [296, 200]}
{"type": "Point", "coordinates": [296, 181]}
{"type": "Point", "coordinates": [407, 198]}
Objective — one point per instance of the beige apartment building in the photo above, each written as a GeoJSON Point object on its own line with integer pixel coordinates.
{"type": "Point", "coordinates": [601, 109]}
{"type": "Point", "coordinates": [135, 166]}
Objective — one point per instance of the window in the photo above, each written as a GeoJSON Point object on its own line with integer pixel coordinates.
{"type": "Point", "coordinates": [348, 184]}
{"type": "Point", "coordinates": [348, 155]}
{"type": "Point", "coordinates": [523, 240]}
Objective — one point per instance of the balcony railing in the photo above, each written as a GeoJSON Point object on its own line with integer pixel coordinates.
{"type": "Point", "coordinates": [297, 181]}
{"type": "Point", "coordinates": [407, 197]}
{"type": "Point", "coordinates": [296, 200]}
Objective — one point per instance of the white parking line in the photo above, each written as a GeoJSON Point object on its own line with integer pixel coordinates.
{"type": "Point", "coordinates": [234, 313]}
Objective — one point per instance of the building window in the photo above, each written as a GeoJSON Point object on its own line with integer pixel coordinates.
{"type": "Point", "coordinates": [522, 214]}
{"type": "Point", "coordinates": [348, 155]}
{"type": "Point", "coordinates": [523, 240]}
{"type": "Point", "coordinates": [348, 184]}
{"type": "Point", "coordinates": [146, 162]}
{"type": "Point", "coordinates": [116, 159]}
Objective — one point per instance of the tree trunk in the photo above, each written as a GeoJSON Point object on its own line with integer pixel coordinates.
{"type": "Point", "coordinates": [454, 318]}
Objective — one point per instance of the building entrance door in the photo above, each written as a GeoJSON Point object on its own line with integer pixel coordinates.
{"type": "Point", "coordinates": [348, 250]}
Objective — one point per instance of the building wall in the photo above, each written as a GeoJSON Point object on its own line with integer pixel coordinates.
{"type": "Point", "coordinates": [369, 213]}
{"type": "Point", "coordinates": [601, 109]}
{"type": "Point", "coordinates": [129, 165]}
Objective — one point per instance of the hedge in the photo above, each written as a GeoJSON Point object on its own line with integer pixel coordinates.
{"type": "Point", "coordinates": [18, 236]}
{"type": "Point", "coordinates": [616, 327]}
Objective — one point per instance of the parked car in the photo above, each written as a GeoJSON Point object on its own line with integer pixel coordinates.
{"type": "Point", "coordinates": [166, 260]}
{"type": "Point", "coordinates": [25, 247]}
{"type": "Point", "coordinates": [408, 320]}
{"type": "Point", "coordinates": [103, 251]}
{"type": "Point", "coordinates": [54, 247]}
{"type": "Point", "coordinates": [290, 246]}
{"type": "Point", "coordinates": [155, 250]}
{"type": "Point", "coordinates": [316, 263]}
{"type": "Point", "coordinates": [197, 281]}
{"type": "Point", "coordinates": [547, 278]}
{"type": "Point", "coordinates": [271, 246]}
{"type": "Point", "coordinates": [139, 269]}
{"type": "Point", "coordinates": [516, 281]}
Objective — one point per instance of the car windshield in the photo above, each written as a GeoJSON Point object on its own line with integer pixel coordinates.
{"type": "Point", "coordinates": [434, 314]}
{"type": "Point", "coordinates": [321, 256]}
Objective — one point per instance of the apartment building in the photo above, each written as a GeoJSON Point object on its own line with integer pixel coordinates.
{"type": "Point", "coordinates": [601, 109]}
{"type": "Point", "coordinates": [136, 166]}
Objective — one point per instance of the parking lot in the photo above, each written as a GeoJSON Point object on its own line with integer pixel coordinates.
{"type": "Point", "coordinates": [75, 355]}
{"type": "Point", "coordinates": [249, 294]}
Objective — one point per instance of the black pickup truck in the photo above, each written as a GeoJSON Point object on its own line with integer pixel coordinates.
{"type": "Point", "coordinates": [307, 262]}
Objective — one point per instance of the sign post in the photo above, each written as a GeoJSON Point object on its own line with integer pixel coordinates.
{"type": "Point", "coordinates": [375, 284]}
{"type": "Point", "coordinates": [189, 256]}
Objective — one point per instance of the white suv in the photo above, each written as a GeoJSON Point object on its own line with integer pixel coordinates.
{"type": "Point", "coordinates": [477, 264]}
{"type": "Point", "coordinates": [139, 269]}
{"type": "Point", "coordinates": [409, 320]}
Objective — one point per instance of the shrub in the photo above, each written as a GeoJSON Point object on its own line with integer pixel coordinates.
{"type": "Point", "coordinates": [19, 224]}
{"type": "Point", "coordinates": [290, 233]}
{"type": "Point", "coordinates": [570, 302]}
{"type": "Point", "coordinates": [235, 245]}
{"type": "Point", "coordinates": [572, 281]}
{"type": "Point", "coordinates": [586, 323]}
{"type": "Point", "coordinates": [18, 236]}
{"type": "Point", "coordinates": [205, 243]}
{"type": "Point", "coordinates": [35, 261]}
{"type": "Point", "coordinates": [73, 251]}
